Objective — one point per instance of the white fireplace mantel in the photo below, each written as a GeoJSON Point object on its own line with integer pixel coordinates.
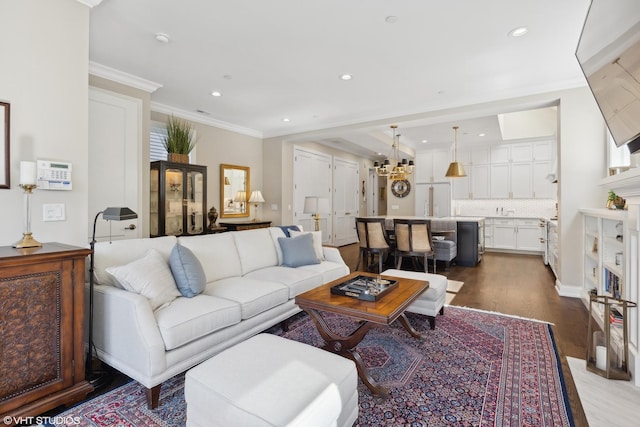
{"type": "Point", "coordinates": [625, 184]}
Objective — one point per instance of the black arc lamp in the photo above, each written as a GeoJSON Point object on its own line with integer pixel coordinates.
{"type": "Point", "coordinates": [109, 214]}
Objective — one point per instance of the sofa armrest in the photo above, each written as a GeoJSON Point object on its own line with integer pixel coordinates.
{"type": "Point", "coordinates": [332, 255]}
{"type": "Point", "coordinates": [126, 333]}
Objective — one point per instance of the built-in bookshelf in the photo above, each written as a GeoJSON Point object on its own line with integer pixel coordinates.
{"type": "Point", "coordinates": [604, 271]}
{"type": "Point", "coordinates": [604, 252]}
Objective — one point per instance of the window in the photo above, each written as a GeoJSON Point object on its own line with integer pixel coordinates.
{"type": "Point", "coordinates": [157, 135]}
{"type": "Point", "coordinates": [156, 142]}
{"type": "Point", "coordinates": [618, 156]}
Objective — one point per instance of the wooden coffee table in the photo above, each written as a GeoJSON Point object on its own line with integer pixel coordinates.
{"type": "Point", "coordinates": [386, 310]}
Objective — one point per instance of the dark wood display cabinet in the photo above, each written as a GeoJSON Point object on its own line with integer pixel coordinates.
{"type": "Point", "coordinates": [245, 225]}
{"type": "Point", "coordinates": [42, 310]}
{"type": "Point", "coordinates": [178, 199]}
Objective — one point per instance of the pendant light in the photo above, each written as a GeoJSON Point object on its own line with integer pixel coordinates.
{"type": "Point", "coordinates": [455, 169]}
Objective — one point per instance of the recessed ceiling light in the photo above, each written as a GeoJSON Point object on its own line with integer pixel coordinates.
{"type": "Point", "coordinates": [391, 19]}
{"type": "Point", "coordinates": [518, 32]}
{"type": "Point", "coordinates": [424, 141]}
{"type": "Point", "coordinates": [379, 154]}
{"type": "Point", "coordinates": [481, 134]}
{"type": "Point", "coordinates": [216, 93]}
{"type": "Point", "coordinates": [162, 37]}
{"type": "Point", "coordinates": [346, 77]}
{"type": "Point", "coordinates": [227, 77]}
{"type": "Point", "coordinates": [286, 120]}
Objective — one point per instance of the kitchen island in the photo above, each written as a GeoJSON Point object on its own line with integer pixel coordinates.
{"type": "Point", "coordinates": [466, 231]}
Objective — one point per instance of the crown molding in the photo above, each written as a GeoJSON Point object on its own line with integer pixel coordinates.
{"type": "Point", "coordinates": [198, 118]}
{"type": "Point", "coordinates": [90, 3]}
{"type": "Point", "coordinates": [118, 76]}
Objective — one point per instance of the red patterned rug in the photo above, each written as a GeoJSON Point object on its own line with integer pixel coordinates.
{"type": "Point", "coordinates": [475, 369]}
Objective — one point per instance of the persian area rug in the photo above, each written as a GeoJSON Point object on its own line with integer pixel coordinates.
{"type": "Point", "coordinates": [475, 369]}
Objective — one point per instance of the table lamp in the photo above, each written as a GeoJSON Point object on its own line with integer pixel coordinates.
{"type": "Point", "coordinates": [256, 197]}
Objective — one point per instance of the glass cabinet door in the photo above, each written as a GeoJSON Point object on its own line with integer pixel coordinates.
{"type": "Point", "coordinates": [154, 197]}
{"type": "Point", "coordinates": [194, 199]}
{"type": "Point", "coordinates": [174, 189]}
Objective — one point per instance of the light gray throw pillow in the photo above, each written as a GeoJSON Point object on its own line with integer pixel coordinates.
{"type": "Point", "coordinates": [298, 251]}
{"type": "Point", "coordinates": [187, 271]}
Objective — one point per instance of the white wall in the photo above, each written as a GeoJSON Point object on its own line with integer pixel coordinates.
{"type": "Point", "coordinates": [44, 73]}
{"type": "Point", "coordinates": [582, 154]}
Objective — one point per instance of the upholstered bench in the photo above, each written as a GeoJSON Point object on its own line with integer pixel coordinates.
{"type": "Point", "coordinates": [431, 302]}
{"type": "Point", "coordinates": [446, 250]}
{"type": "Point", "coordinates": [272, 381]}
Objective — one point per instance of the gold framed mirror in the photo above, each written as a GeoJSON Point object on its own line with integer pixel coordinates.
{"type": "Point", "coordinates": [235, 189]}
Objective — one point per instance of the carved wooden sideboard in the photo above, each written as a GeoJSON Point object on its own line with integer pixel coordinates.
{"type": "Point", "coordinates": [41, 328]}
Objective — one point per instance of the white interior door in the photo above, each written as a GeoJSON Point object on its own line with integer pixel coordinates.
{"type": "Point", "coordinates": [345, 201]}
{"type": "Point", "coordinates": [115, 138]}
{"type": "Point", "coordinates": [311, 177]}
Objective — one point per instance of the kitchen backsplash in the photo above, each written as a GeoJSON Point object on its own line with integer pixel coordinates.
{"type": "Point", "coordinates": [534, 208]}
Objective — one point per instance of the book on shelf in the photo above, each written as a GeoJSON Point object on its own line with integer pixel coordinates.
{"type": "Point", "coordinates": [612, 284]}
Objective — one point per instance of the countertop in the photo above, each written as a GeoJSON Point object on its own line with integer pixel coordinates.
{"type": "Point", "coordinates": [434, 218]}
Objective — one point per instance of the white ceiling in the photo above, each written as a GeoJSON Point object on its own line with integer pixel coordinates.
{"type": "Point", "coordinates": [272, 59]}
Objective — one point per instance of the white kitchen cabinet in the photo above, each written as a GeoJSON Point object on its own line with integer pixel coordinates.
{"type": "Point", "coordinates": [479, 181]}
{"type": "Point", "coordinates": [521, 234]}
{"type": "Point", "coordinates": [529, 235]}
{"type": "Point", "coordinates": [488, 233]}
{"type": "Point", "coordinates": [542, 187]}
{"type": "Point", "coordinates": [431, 166]}
{"type": "Point", "coordinates": [520, 180]}
{"type": "Point", "coordinates": [542, 150]}
{"type": "Point", "coordinates": [504, 233]}
{"type": "Point", "coordinates": [520, 152]}
{"type": "Point", "coordinates": [499, 179]}
{"type": "Point", "coordinates": [461, 186]}
{"type": "Point", "coordinates": [499, 153]}
{"type": "Point", "coordinates": [480, 155]}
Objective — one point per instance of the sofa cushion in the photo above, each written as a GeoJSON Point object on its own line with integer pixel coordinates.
{"type": "Point", "coordinates": [317, 241]}
{"type": "Point", "coordinates": [149, 276]}
{"type": "Point", "coordinates": [329, 271]}
{"type": "Point", "coordinates": [217, 254]}
{"type": "Point", "coordinates": [187, 319]}
{"type": "Point", "coordinates": [253, 295]}
{"type": "Point", "coordinates": [120, 252]}
{"type": "Point", "coordinates": [187, 271]}
{"type": "Point", "coordinates": [296, 279]}
{"type": "Point", "coordinates": [256, 249]}
{"type": "Point", "coordinates": [298, 251]}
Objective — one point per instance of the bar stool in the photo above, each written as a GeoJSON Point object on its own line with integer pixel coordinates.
{"type": "Point", "coordinates": [373, 241]}
{"type": "Point", "coordinates": [413, 239]}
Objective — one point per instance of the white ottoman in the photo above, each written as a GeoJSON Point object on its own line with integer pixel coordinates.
{"type": "Point", "coordinates": [430, 302]}
{"type": "Point", "coordinates": [272, 381]}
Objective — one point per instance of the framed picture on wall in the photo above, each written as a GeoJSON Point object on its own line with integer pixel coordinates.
{"type": "Point", "coordinates": [4, 145]}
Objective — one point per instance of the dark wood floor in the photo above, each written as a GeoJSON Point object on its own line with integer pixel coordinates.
{"type": "Point", "coordinates": [520, 285]}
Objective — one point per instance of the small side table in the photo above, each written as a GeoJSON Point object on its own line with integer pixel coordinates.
{"type": "Point", "coordinates": [245, 225]}
{"type": "Point", "coordinates": [216, 229]}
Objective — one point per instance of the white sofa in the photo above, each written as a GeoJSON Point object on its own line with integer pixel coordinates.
{"type": "Point", "coordinates": [247, 291]}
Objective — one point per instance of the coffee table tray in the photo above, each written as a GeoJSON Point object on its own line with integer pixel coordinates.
{"type": "Point", "coordinates": [365, 288]}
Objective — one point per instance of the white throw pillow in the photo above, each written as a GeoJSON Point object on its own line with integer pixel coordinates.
{"type": "Point", "coordinates": [317, 241]}
{"type": "Point", "coordinates": [149, 276]}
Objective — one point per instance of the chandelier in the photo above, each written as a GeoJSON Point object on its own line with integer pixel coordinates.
{"type": "Point", "coordinates": [400, 168]}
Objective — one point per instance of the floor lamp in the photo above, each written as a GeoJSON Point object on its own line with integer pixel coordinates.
{"type": "Point", "coordinates": [109, 214]}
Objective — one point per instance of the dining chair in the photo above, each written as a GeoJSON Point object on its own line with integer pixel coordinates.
{"type": "Point", "coordinates": [373, 240]}
{"type": "Point", "coordinates": [413, 239]}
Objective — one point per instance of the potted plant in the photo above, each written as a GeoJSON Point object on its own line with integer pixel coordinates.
{"type": "Point", "coordinates": [179, 140]}
{"type": "Point", "coordinates": [614, 201]}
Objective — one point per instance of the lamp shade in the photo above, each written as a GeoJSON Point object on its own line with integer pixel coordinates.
{"type": "Point", "coordinates": [456, 170]}
{"type": "Point", "coordinates": [226, 181]}
{"type": "Point", "coordinates": [241, 196]}
{"type": "Point", "coordinates": [256, 197]}
{"type": "Point", "coordinates": [118, 214]}
{"type": "Point", "coordinates": [314, 205]}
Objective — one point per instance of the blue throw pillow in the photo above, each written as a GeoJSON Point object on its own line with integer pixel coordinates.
{"type": "Point", "coordinates": [187, 271]}
{"type": "Point", "coordinates": [298, 251]}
